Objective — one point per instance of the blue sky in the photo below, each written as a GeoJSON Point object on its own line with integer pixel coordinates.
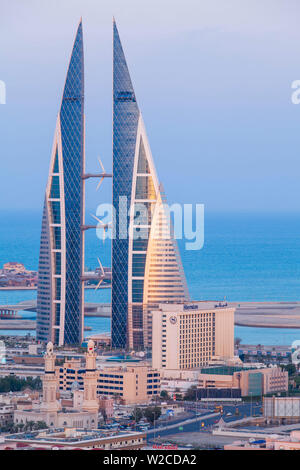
{"type": "Point", "coordinates": [212, 78]}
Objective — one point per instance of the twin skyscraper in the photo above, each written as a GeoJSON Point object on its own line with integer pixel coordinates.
{"type": "Point", "coordinates": [146, 265]}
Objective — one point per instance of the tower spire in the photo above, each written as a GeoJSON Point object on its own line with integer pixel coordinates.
{"type": "Point", "coordinates": [122, 81]}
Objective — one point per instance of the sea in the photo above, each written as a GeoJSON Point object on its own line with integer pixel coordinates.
{"type": "Point", "coordinates": [245, 257]}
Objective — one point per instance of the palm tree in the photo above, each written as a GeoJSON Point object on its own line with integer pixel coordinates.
{"type": "Point", "coordinates": [29, 425]}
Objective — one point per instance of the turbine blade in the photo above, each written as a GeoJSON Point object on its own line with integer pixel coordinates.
{"type": "Point", "coordinates": [97, 218]}
{"type": "Point", "coordinates": [101, 164]}
{"type": "Point", "coordinates": [99, 183]}
{"type": "Point", "coordinates": [101, 267]}
{"type": "Point", "coordinates": [98, 285]}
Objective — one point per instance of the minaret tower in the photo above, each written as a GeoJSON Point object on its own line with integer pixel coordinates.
{"type": "Point", "coordinates": [90, 401]}
{"type": "Point", "coordinates": [49, 404]}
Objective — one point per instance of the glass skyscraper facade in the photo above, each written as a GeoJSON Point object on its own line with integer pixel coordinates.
{"type": "Point", "coordinates": [60, 288]}
{"type": "Point", "coordinates": [125, 121]}
{"type": "Point", "coordinates": [146, 265]}
{"type": "Point", "coordinates": [144, 272]}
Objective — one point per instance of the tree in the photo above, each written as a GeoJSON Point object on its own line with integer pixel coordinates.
{"type": "Point", "coordinates": [40, 425]}
{"type": "Point", "coordinates": [152, 413]}
{"type": "Point", "coordinates": [137, 414]}
{"type": "Point", "coordinates": [291, 368]}
{"type": "Point", "coordinates": [237, 341]}
{"type": "Point", "coordinates": [29, 425]}
{"type": "Point", "coordinates": [164, 394]}
{"type": "Point", "coordinates": [11, 383]}
{"type": "Point", "coordinates": [20, 427]}
{"type": "Point", "coordinates": [191, 393]}
{"type": "Point", "coordinates": [104, 415]}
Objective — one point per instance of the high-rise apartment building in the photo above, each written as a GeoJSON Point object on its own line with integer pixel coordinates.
{"type": "Point", "coordinates": [187, 336]}
{"type": "Point", "coordinates": [146, 266]}
{"type": "Point", "coordinates": [60, 289]}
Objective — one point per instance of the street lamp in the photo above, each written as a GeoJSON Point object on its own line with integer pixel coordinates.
{"type": "Point", "coordinates": [197, 407]}
{"type": "Point", "coordinates": [153, 412]}
{"type": "Point", "coordinates": [251, 404]}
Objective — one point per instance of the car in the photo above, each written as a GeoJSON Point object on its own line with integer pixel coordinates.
{"type": "Point", "coordinates": [229, 414]}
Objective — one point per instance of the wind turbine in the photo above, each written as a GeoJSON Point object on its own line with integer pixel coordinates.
{"type": "Point", "coordinates": [105, 227]}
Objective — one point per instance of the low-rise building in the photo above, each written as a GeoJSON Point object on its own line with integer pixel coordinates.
{"type": "Point", "coordinates": [133, 384]}
{"type": "Point", "coordinates": [106, 406]}
{"type": "Point", "coordinates": [281, 409]}
{"type": "Point", "coordinates": [101, 340]}
{"type": "Point", "coordinates": [6, 415]}
{"type": "Point", "coordinates": [130, 383]}
{"type": "Point", "coordinates": [29, 359]}
{"type": "Point", "coordinates": [15, 274]}
{"type": "Point", "coordinates": [22, 371]}
{"type": "Point", "coordinates": [257, 382]}
{"type": "Point", "coordinates": [14, 266]}
{"type": "Point", "coordinates": [72, 438]}
{"type": "Point", "coordinates": [265, 353]}
{"type": "Point", "coordinates": [275, 380]}
{"type": "Point", "coordinates": [181, 386]}
{"type": "Point", "coordinates": [72, 370]}
{"type": "Point", "coordinates": [291, 442]}
{"type": "Point", "coordinates": [250, 382]}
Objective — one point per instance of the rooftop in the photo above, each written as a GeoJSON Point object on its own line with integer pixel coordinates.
{"type": "Point", "coordinates": [204, 305]}
{"type": "Point", "coordinates": [69, 436]}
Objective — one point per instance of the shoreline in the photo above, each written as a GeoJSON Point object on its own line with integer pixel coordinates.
{"type": "Point", "coordinates": [20, 288]}
{"type": "Point", "coordinates": [257, 325]}
{"type": "Point", "coordinates": [274, 314]}
{"type": "Point", "coordinates": [267, 314]}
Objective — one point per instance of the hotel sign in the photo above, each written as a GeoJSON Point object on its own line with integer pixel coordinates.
{"type": "Point", "coordinates": [190, 307]}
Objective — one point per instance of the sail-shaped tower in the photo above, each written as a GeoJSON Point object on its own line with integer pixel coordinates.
{"type": "Point", "coordinates": [146, 265]}
{"type": "Point", "coordinates": [60, 287]}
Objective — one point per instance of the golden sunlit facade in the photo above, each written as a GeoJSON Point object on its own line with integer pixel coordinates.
{"type": "Point", "coordinates": [155, 271]}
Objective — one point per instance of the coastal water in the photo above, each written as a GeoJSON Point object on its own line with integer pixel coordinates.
{"type": "Point", "coordinates": [246, 257]}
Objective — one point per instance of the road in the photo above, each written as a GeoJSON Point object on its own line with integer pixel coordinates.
{"type": "Point", "coordinates": [205, 422]}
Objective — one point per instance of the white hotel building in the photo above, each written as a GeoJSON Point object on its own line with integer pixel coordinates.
{"type": "Point", "coordinates": [187, 336]}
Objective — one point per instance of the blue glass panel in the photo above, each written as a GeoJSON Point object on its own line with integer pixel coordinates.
{"type": "Point", "coordinates": [54, 191]}
{"type": "Point", "coordinates": [55, 166]}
